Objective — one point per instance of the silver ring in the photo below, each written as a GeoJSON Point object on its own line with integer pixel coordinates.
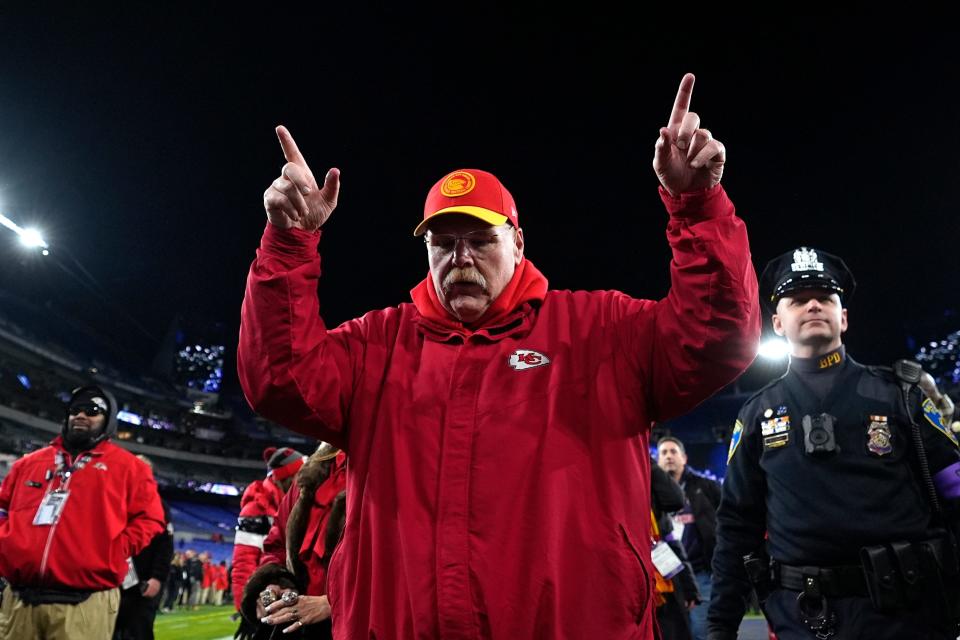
{"type": "Point", "coordinates": [290, 597]}
{"type": "Point", "coordinates": [267, 597]}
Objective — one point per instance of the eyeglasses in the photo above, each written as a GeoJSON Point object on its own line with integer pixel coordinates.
{"type": "Point", "coordinates": [90, 410]}
{"type": "Point", "coordinates": [480, 241]}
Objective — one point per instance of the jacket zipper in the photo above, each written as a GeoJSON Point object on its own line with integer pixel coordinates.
{"type": "Point", "coordinates": [53, 529]}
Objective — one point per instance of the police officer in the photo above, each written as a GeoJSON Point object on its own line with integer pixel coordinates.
{"type": "Point", "coordinates": [823, 466]}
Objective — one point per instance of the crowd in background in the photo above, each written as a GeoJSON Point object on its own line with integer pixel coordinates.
{"type": "Point", "coordinates": [195, 580]}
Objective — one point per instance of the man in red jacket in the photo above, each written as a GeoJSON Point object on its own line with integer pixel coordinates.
{"type": "Point", "coordinates": [497, 431]}
{"type": "Point", "coordinates": [71, 516]}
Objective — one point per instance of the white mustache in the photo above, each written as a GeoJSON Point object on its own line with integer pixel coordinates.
{"type": "Point", "coordinates": [469, 275]}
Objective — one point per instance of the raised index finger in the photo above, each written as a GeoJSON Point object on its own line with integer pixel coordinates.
{"type": "Point", "coordinates": [682, 103]}
{"type": "Point", "coordinates": [290, 150]}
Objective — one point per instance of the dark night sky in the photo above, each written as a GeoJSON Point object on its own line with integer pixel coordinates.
{"type": "Point", "coordinates": [141, 141]}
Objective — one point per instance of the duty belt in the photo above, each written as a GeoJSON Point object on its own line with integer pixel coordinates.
{"type": "Point", "coordinates": [830, 582]}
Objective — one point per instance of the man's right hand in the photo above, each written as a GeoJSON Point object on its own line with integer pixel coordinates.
{"type": "Point", "coordinates": [294, 200]}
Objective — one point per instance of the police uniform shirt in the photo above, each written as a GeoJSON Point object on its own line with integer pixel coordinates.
{"type": "Point", "coordinates": [820, 509]}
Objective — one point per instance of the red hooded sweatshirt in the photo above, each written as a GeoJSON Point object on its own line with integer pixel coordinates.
{"type": "Point", "coordinates": [112, 512]}
{"type": "Point", "coordinates": [498, 479]}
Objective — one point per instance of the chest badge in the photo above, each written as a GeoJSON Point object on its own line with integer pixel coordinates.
{"type": "Point", "coordinates": [526, 359]}
{"type": "Point", "coordinates": [775, 432]}
{"type": "Point", "coordinates": [879, 437]}
{"type": "Point", "coordinates": [780, 424]}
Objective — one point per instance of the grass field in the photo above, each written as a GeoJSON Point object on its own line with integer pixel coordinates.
{"type": "Point", "coordinates": [206, 623]}
{"type": "Point", "coordinates": [214, 623]}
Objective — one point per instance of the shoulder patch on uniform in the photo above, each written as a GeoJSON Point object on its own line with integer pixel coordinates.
{"type": "Point", "coordinates": [932, 414]}
{"type": "Point", "coordinates": [735, 439]}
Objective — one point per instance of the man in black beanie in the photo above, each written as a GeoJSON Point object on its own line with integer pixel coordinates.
{"type": "Point", "coordinates": [71, 515]}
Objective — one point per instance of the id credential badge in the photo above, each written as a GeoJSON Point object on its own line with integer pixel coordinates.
{"type": "Point", "coordinates": [665, 560]}
{"type": "Point", "coordinates": [131, 579]}
{"type": "Point", "coordinates": [50, 508]}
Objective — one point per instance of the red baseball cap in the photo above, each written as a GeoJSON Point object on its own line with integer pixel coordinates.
{"type": "Point", "coordinates": [472, 192]}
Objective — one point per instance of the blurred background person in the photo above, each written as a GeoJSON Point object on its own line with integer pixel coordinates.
{"type": "Point", "coordinates": [297, 552]}
{"type": "Point", "coordinates": [695, 525]}
{"type": "Point", "coordinates": [219, 583]}
{"type": "Point", "coordinates": [176, 583]}
{"type": "Point", "coordinates": [258, 508]}
{"type": "Point", "coordinates": [675, 585]}
{"type": "Point", "coordinates": [140, 599]}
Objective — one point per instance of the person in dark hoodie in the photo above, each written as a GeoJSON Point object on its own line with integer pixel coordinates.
{"type": "Point", "coordinates": [695, 524]}
{"type": "Point", "coordinates": [140, 596]}
{"type": "Point", "coordinates": [71, 515]}
{"type": "Point", "coordinates": [666, 498]}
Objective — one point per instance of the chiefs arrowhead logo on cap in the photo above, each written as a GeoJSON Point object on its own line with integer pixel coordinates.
{"type": "Point", "coordinates": [458, 183]}
{"type": "Point", "coordinates": [471, 192]}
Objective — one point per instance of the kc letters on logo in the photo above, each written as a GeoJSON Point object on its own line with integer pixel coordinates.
{"type": "Point", "coordinates": [527, 359]}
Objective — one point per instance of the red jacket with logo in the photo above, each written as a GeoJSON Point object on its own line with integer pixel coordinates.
{"type": "Point", "coordinates": [498, 479]}
{"type": "Point", "coordinates": [112, 512]}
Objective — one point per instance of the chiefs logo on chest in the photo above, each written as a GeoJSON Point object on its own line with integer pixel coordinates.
{"type": "Point", "coordinates": [527, 359]}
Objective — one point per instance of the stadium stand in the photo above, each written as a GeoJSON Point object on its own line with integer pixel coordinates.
{"type": "Point", "coordinates": [204, 454]}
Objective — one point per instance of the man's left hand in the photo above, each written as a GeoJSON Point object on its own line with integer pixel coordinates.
{"type": "Point", "coordinates": [687, 158]}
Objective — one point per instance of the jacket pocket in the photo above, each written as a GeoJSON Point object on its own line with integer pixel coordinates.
{"type": "Point", "coordinates": [28, 498]}
{"type": "Point", "coordinates": [333, 576]}
{"type": "Point", "coordinates": [642, 601]}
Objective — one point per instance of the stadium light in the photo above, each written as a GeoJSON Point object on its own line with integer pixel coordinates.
{"type": "Point", "coordinates": [774, 349]}
{"type": "Point", "coordinates": [28, 237]}
{"type": "Point", "coordinates": [32, 238]}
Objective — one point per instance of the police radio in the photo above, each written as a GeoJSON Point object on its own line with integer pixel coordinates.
{"type": "Point", "coordinates": [909, 374]}
{"type": "Point", "coordinates": [818, 435]}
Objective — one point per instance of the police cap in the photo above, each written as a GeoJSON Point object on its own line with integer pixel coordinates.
{"type": "Point", "coordinates": [805, 268]}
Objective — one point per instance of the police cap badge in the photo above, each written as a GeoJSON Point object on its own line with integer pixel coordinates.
{"type": "Point", "coordinates": [805, 268]}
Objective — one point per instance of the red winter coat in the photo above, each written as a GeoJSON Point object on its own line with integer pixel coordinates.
{"type": "Point", "coordinates": [112, 512]}
{"type": "Point", "coordinates": [311, 552]}
{"type": "Point", "coordinates": [209, 574]}
{"type": "Point", "coordinates": [261, 498]}
{"type": "Point", "coordinates": [219, 577]}
{"type": "Point", "coordinates": [498, 482]}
